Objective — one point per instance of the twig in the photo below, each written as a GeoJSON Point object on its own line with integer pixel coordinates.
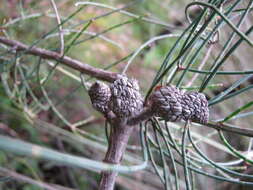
{"type": "Point", "coordinates": [226, 127]}
{"type": "Point", "coordinates": [202, 64]}
{"type": "Point", "coordinates": [143, 116]}
{"type": "Point", "coordinates": [73, 63]}
{"type": "Point", "coordinates": [145, 45]}
{"type": "Point", "coordinates": [120, 133]}
{"type": "Point", "coordinates": [59, 27]}
{"type": "Point", "coordinates": [69, 31]}
{"type": "Point", "coordinates": [120, 10]}
{"type": "Point", "coordinates": [117, 145]}
{"type": "Point", "coordinates": [26, 179]}
{"type": "Point", "coordinates": [32, 150]}
{"type": "Point", "coordinates": [13, 21]}
{"type": "Point", "coordinates": [147, 113]}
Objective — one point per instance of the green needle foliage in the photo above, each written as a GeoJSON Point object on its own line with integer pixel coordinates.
{"type": "Point", "coordinates": [46, 112]}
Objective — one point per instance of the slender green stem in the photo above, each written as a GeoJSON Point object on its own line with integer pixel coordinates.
{"type": "Point", "coordinates": [186, 171]}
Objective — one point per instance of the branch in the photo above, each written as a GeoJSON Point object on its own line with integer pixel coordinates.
{"type": "Point", "coordinates": [117, 144]}
{"type": "Point", "coordinates": [22, 178]}
{"type": "Point", "coordinates": [146, 114]}
{"type": "Point", "coordinates": [58, 19]}
{"type": "Point", "coordinates": [230, 128]}
{"type": "Point", "coordinates": [72, 63]}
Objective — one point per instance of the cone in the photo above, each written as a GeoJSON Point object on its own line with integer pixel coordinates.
{"type": "Point", "coordinates": [100, 96]}
{"type": "Point", "coordinates": [166, 103]}
{"type": "Point", "coordinates": [171, 104]}
{"type": "Point", "coordinates": [126, 100]}
{"type": "Point", "coordinates": [197, 105]}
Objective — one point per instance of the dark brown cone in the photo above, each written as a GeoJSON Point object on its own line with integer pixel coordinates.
{"type": "Point", "coordinates": [126, 100]}
{"type": "Point", "coordinates": [165, 103]}
{"type": "Point", "coordinates": [197, 105]}
{"type": "Point", "coordinates": [171, 104]}
{"type": "Point", "coordinates": [100, 95]}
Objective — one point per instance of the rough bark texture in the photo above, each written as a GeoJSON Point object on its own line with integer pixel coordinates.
{"type": "Point", "coordinates": [100, 96]}
{"type": "Point", "coordinates": [166, 103]}
{"type": "Point", "coordinates": [117, 145]}
{"type": "Point", "coordinates": [195, 107]}
{"type": "Point", "coordinates": [146, 113]}
{"type": "Point", "coordinates": [173, 104]}
{"type": "Point", "coordinates": [126, 100]}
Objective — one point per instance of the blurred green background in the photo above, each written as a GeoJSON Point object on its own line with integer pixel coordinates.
{"type": "Point", "coordinates": [27, 113]}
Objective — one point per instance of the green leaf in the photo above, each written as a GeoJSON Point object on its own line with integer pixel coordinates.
{"type": "Point", "coordinates": [19, 147]}
{"type": "Point", "coordinates": [238, 111]}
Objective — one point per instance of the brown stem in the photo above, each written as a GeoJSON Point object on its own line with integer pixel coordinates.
{"type": "Point", "coordinates": [144, 115]}
{"type": "Point", "coordinates": [73, 63]}
{"type": "Point", "coordinates": [117, 145]}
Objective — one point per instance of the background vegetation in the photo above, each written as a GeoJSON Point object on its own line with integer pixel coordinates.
{"type": "Point", "coordinates": [46, 103]}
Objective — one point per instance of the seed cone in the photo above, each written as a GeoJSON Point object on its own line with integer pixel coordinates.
{"type": "Point", "coordinates": [171, 104]}
{"type": "Point", "coordinates": [126, 100]}
{"type": "Point", "coordinates": [100, 95]}
{"type": "Point", "coordinates": [197, 105]}
{"type": "Point", "coordinates": [166, 103]}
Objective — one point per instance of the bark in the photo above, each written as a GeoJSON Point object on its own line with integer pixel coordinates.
{"type": "Point", "coordinates": [68, 61]}
{"type": "Point", "coordinates": [146, 113]}
{"type": "Point", "coordinates": [117, 145]}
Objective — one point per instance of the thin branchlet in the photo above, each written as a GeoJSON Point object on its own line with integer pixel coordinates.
{"type": "Point", "coordinates": [68, 61]}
